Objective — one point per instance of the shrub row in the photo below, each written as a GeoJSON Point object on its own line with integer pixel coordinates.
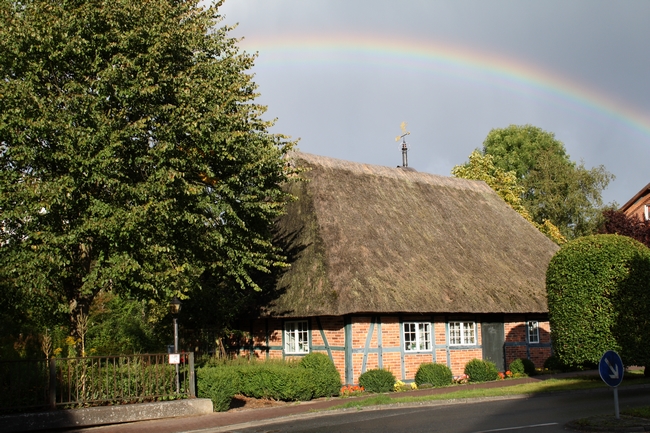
{"type": "Point", "coordinates": [314, 376]}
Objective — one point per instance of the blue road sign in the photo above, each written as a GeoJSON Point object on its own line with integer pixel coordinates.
{"type": "Point", "coordinates": [610, 368]}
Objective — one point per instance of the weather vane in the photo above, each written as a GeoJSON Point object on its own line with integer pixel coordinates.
{"type": "Point", "coordinates": [405, 161]}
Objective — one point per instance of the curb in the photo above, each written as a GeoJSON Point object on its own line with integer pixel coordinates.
{"type": "Point", "coordinates": [333, 412]}
{"type": "Point", "coordinates": [103, 415]}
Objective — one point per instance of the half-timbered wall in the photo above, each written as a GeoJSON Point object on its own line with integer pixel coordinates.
{"type": "Point", "coordinates": [377, 342]}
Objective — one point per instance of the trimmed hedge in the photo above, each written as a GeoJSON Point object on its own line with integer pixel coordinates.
{"type": "Point", "coordinates": [275, 380]}
{"type": "Point", "coordinates": [314, 376]}
{"type": "Point", "coordinates": [433, 374]}
{"type": "Point", "coordinates": [326, 378]}
{"type": "Point", "coordinates": [377, 380]}
{"type": "Point", "coordinates": [598, 300]}
{"type": "Point", "coordinates": [480, 370]}
{"type": "Point", "coordinates": [219, 384]}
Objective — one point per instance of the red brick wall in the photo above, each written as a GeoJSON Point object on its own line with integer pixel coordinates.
{"type": "Point", "coordinates": [460, 357]}
{"type": "Point", "coordinates": [515, 331]}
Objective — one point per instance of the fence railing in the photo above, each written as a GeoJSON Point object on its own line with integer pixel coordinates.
{"type": "Point", "coordinates": [94, 381]}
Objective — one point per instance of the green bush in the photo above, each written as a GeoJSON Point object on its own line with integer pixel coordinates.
{"type": "Point", "coordinates": [517, 367]}
{"type": "Point", "coordinates": [377, 380]}
{"type": "Point", "coordinates": [522, 366]}
{"type": "Point", "coordinates": [479, 370]}
{"type": "Point", "coordinates": [219, 384]}
{"type": "Point", "coordinates": [554, 363]}
{"type": "Point", "coordinates": [326, 378]}
{"type": "Point", "coordinates": [276, 380]}
{"type": "Point", "coordinates": [597, 293]}
{"type": "Point", "coordinates": [433, 374]}
{"type": "Point", "coordinates": [529, 367]}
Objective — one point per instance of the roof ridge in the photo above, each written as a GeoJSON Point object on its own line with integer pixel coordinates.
{"type": "Point", "coordinates": [390, 172]}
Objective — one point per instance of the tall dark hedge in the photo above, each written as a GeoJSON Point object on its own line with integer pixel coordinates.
{"type": "Point", "coordinates": [599, 300]}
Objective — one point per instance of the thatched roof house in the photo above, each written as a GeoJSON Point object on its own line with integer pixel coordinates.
{"type": "Point", "coordinates": [378, 239]}
{"type": "Point", "coordinates": [392, 267]}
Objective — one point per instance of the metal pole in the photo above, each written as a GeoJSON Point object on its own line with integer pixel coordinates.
{"type": "Point", "coordinates": [176, 351]}
{"type": "Point", "coordinates": [192, 379]}
{"type": "Point", "coordinates": [52, 392]}
{"type": "Point", "coordinates": [616, 412]}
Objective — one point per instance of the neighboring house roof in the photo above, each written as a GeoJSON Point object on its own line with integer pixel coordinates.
{"type": "Point", "coordinates": [370, 239]}
{"type": "Point", "coordinates": [632, 206]}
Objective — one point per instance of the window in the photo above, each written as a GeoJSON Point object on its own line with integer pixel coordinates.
{"type": "Point", "coordinates": [533, 331]}
{"type": "Point", "coordinates": [462, 333]}
{"type": "Point", "coordinates": [296, 337]}
{"type": "Point", "coordinates": [646, 212]}
{"type": "Point", "coordinates": [417, 336]}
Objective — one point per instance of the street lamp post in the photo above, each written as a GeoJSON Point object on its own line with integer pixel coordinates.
{"type": "Point", "coordinates": [175, 307]}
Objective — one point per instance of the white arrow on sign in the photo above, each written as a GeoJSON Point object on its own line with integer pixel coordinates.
{"type": "Point", "coordinates": [614, 371]}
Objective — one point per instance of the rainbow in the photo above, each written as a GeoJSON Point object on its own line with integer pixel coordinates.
{"type": "Point", "coordinates": [443, 58]}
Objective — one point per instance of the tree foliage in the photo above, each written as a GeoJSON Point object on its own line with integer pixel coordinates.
{"type": "Point", "coordinates": [616, 222]}
{"type": "Point", "coordinates": [506, 185]}
{"type": "Point", "coordinates": [555, 188]}
{"type": "Point", "coordinates": [133, 157]}
{"type": "Point", "coordinates": [125, 326]}
{"type": "Point", "coordinates": [598, 300]}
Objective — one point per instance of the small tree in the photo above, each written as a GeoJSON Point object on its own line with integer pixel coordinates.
{"type": "Point", "coordinates": [598, 300]}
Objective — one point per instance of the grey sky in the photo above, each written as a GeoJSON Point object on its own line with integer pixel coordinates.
{"type": "Point", "coordinates": [349, 104]}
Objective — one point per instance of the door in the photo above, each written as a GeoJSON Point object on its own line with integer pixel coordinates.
{"type": "Point", "coordinates": [493, 339]}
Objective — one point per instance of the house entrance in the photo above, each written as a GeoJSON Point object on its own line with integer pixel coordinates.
{"type": "Point", "coordinates": [493, 339]}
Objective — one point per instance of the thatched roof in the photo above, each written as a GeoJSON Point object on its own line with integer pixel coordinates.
{"type": "Point", "coordinates": [371, 239]}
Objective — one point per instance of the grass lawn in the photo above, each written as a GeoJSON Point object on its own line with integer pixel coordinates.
{"type": "Point", "coordinates": [549, 385]}
{"type": "Point", "coordinates": [641, 412]}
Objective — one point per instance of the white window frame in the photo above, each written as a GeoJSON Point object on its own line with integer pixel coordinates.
{"type": "Point", "coordinates": [532, 331]}
{"type": "Point", "coordinates": [296, 337]}
{"type": "Point", "coordinates": [462, 333]}
{"type": "Point", "coordinates": [646, 212]}
{"type": "Point", "coordinates": [419, 336]}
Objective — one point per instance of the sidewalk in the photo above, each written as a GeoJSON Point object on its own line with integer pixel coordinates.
{"type": "Point", "coordinates": [242, 416]}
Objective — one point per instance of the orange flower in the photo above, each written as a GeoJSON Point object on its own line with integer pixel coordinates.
{"type": "Point", "coordinates": [351, 390]}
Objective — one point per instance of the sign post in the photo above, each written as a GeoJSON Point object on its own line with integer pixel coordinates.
{"type": "Point", "coordinates": [611, 370]}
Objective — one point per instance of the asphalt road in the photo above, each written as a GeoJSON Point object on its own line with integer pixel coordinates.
{"type": "Point", "coordinates": [537, 414]}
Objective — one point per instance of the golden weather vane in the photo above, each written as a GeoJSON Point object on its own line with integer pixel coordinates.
{"type": "Point", "coordinates": [405, 162]}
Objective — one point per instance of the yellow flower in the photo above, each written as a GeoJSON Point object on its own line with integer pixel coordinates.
{"type": "Point", "coordinates": [70, 341]}
{"type": "Point", "coordinates": [414, 385]}
{"type": "Point", "coordinates": [57, 351]}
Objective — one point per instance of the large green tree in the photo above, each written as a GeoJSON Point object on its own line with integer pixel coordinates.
{"type": "Point", "coordinates": [133, 158]}
{"type": "Point", "coordinates": [555, 188]}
